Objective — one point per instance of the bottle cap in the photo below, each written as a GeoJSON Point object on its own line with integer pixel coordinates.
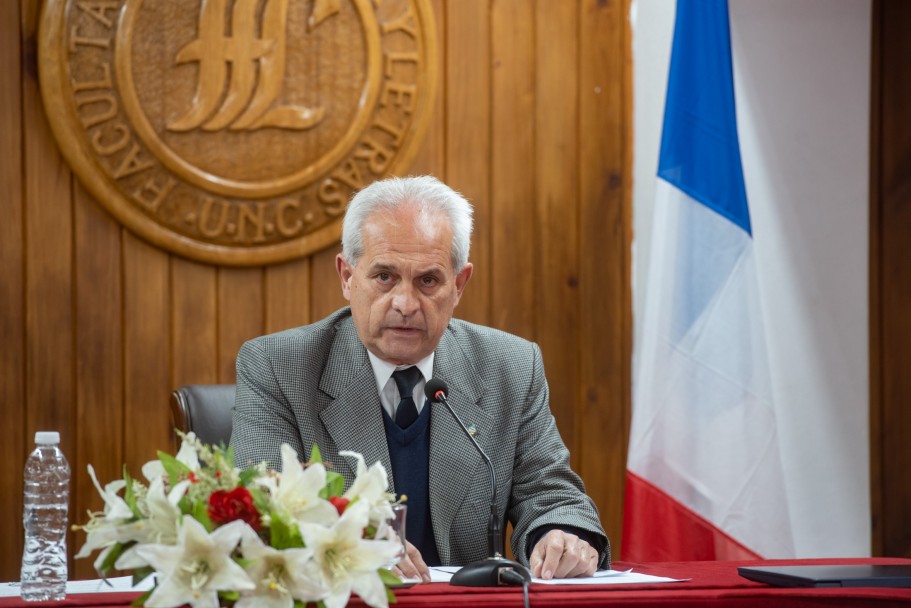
{"type": "Point", "coordinates": [47, 437]}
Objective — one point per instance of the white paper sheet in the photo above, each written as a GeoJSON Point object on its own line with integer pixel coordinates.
{"type": "Point", "coordinates": [117, 584]}
{"type": "Point", "coordinates": [442, 574]}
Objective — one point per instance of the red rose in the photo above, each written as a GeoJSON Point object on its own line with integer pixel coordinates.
{"type": "Point", "coordinates": [237, 504]}
{"type": "Point", "coordinates": [340, 503]}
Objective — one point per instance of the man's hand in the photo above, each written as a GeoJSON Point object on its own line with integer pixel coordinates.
{"type": "Point", "coordinates": [560, 554]}
{"type": "Point", "coordinates": [412, 565]}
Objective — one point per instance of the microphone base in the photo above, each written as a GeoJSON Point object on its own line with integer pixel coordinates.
{"type": "Point", "coordinates": [486, 573]}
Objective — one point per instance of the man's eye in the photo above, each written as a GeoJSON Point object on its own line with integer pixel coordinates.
{"type": "Point", "coordinates": [428, 281]}
{"type": "Point", "coordinates": [383, 277]}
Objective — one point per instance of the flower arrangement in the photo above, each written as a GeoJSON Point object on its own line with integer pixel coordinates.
{"type": "Point", "coordinates": [215, 535]}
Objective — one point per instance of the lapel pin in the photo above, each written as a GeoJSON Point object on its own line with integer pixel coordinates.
{"type": "Point", "coordinates": [472, 430]}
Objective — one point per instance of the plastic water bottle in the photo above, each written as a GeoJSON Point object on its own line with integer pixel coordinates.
{"type": "Point", "coordinates": [47, 497]}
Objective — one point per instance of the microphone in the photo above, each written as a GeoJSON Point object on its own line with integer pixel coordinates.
{"type": "Point", "coordinates": [486, 572]}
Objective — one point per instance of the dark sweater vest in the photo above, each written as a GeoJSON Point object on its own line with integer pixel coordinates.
{"type": "Point", "coordinates": [409, 451]}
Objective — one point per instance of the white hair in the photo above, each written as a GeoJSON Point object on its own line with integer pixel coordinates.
{"type": "Point", "coordinates": [427, 192]}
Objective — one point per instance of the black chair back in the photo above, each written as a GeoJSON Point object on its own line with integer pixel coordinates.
{"type": "Point", "coordinates": [204, 409]}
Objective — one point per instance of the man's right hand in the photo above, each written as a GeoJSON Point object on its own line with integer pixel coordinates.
{"type": "Point", "coordinates": [412, 566]}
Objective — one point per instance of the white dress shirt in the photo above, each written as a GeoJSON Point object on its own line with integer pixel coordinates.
{"type": "Point", "coordinates": [389, 390]}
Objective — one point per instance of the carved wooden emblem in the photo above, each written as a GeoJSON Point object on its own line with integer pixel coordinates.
{"type": "Point", "coordinates": [235, 131]}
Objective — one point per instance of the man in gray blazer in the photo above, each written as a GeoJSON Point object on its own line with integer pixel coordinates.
{"type": "Point", "coordinates": [354, 381]}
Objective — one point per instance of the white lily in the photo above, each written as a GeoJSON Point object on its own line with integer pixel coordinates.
{"type": "Point", "coordinates": [115, 507]}
{"type": "Point", "coordinates": [199, 566]}
{"type": "Point", "coordinates": [187, 455]}
{"type": "Point", "coordinates": [161, 526]}
{"type": "Point", "coordinates": [280, 576]}
{"type": "Point", "coordinates": [346, 562]}
{"type": "Point", "coordinates": [105, 531]}
{"type": "Point", "coordinates": [370, 486]}
{"type": "Point", "coordinates": [296, 491]}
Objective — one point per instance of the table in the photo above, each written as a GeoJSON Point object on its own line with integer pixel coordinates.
{"type": "Point", "coordinates": [713, 584]}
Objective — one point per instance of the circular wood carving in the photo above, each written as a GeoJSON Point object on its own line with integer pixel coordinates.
{"type": "Point", "coordinates": [235, 131]}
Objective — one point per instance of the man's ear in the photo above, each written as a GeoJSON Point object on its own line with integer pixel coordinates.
{"type": "Point", "coordinates": [462, 279]}
{"type": "Point", "coordinates": [345, 271]}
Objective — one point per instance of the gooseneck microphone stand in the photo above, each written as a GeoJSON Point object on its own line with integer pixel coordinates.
{"type": "Point", "coordinates": [495, 570]}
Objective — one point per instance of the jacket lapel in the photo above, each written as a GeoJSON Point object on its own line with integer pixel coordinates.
{"type": "Point", "coordinates": [450, 449]}
{"type": "Point", "coordinates": [354, 418]}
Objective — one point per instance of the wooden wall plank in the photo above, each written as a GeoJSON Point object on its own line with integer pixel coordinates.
{"type": "Point", "coordinates": [49, 367]}
{"type": "Point", "coordinates": [325, 288]}
{"type": "Point", "coordinates": [876, 282]}
{"type": "Point", "coordinates": [13, 441]}
{"type": "Point", "coordinates": [431, 158]}
{"type": "Point", "coordinates": [99, 342]}
{"type": "Point", "coordinates": [287, 295]}
{"type": "Point", "coordinates": [556, 234]}
{"type": "Point", "coordinates": [194, 350]}
{"type": "Point", "coordinates": [240, 315]}
{"type": "Point", "coordinates": [468, 138]}
{"type": "Point", "coordinates": [892, 248]}
{"type": "Point", "coordinates": [146, 352]}
{"type": "Point", "coordinates": [512, 253]}
{"type": "Point", "coordinates": [604, 274]}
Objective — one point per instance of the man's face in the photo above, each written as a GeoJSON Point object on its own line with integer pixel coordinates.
{"type": "Point", "coordinates": [404, 288]}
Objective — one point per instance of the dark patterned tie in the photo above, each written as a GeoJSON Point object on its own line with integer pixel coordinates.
{"type": "Point", "coordinates": [407, 411]}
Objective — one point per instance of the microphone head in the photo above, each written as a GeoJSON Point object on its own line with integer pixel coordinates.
{"type": "Point", "coordinates": [433, 388]}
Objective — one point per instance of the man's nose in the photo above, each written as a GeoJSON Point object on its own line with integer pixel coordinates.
{"type": "Point", "coordinates": [404, 299]}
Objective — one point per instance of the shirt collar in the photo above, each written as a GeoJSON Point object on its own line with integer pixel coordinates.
{"type": "Point", "coordinates": [382, 370]}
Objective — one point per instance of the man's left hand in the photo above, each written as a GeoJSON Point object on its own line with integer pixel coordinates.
{"type": "Point", "coordinates": [560, 554]}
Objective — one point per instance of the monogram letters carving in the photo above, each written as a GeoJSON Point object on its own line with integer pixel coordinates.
{"type": "Point", "coordinates": [235, 131]}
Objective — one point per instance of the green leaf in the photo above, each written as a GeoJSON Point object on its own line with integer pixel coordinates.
{"type": "Point", "coordinates": [111, 558]}
{"type": "Point", "coordinates": [335, 485]}
{"type": "Point", "coordinates": [129, 495]}
{"type": "Point", "coordinates": [315, 454]}
{"type": "Point", "coordinates": [388, 577]}
{"type": "Point", "coordinates": [231, 596]}
{"type": "Point", "coordinates": [173, 467]}
{"type": "Point", "coordinates": [200, 513]}
{"type": "Point", "coordinates": [141, 600]}
{"type": "Point", "coordinates": [140, 574]}
{"type": "Point", "coordinates": [284, 535]}
{"type": "Point", "coordinates": [248, 475]}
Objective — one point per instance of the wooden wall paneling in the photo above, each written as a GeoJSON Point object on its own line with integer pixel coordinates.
{"type": "Point", "coordinates": [240, 315]}
{"type": "Point", "coordinates": [556, 207]}
{"type": "Point", "coordinates": [146, 352]}
{"type": "Point", "coordinates": [194, 348]}
{"type": "Point", "coordinates": [605, 236]}
{"type": "Point", "coordinates": [12, 318]}
{"type": "Point", "coordinates": [876, 283]}
{"type": "Point", "coordinates": [49, 264]}
{"type": "Point", "coordinates": [892, 526]}
{"type": "Point", "coordinates": [431, 157]}
{"type": "Point", "coordinates": [325, 288]}
{"type": "Point", "coordinates": [468, 138]}
{"type": "Point", "coordinates": [99, 357]}
{"type": "Point", "coordinates": [287, 295]}
{"type": "Point", "coordinates": [512, 250]}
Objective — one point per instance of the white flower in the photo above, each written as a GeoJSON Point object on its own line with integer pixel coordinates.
{"type": "Point", "coordinates": [161, 525]}
{"type": "Point", "coordinates": [187, 455]}
{"type": "Point", "coordinates": [370, 486]}
{"type": "Point", "coordinates": [296, 491]}
{"type": "Point", "coordinates": [280, 576]}
{"type": "Point", "coordinates": [115, 507]}
{"type": "Point", "coordinates": [105, 531]}
{"type": "Point", "coordinates": [197, 568]}
{"type": "Point", "coordinates": [346, 561]}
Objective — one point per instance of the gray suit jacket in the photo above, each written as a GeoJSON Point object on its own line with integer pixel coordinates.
{"type": "Point", "coordinates": [315, 384]}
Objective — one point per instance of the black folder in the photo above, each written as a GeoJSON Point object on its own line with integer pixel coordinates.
{"type": "Point", "coordinates": [852, 575]}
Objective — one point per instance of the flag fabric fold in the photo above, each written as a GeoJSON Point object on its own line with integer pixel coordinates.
{"type": "Point", "coordinates": [705, 477]}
